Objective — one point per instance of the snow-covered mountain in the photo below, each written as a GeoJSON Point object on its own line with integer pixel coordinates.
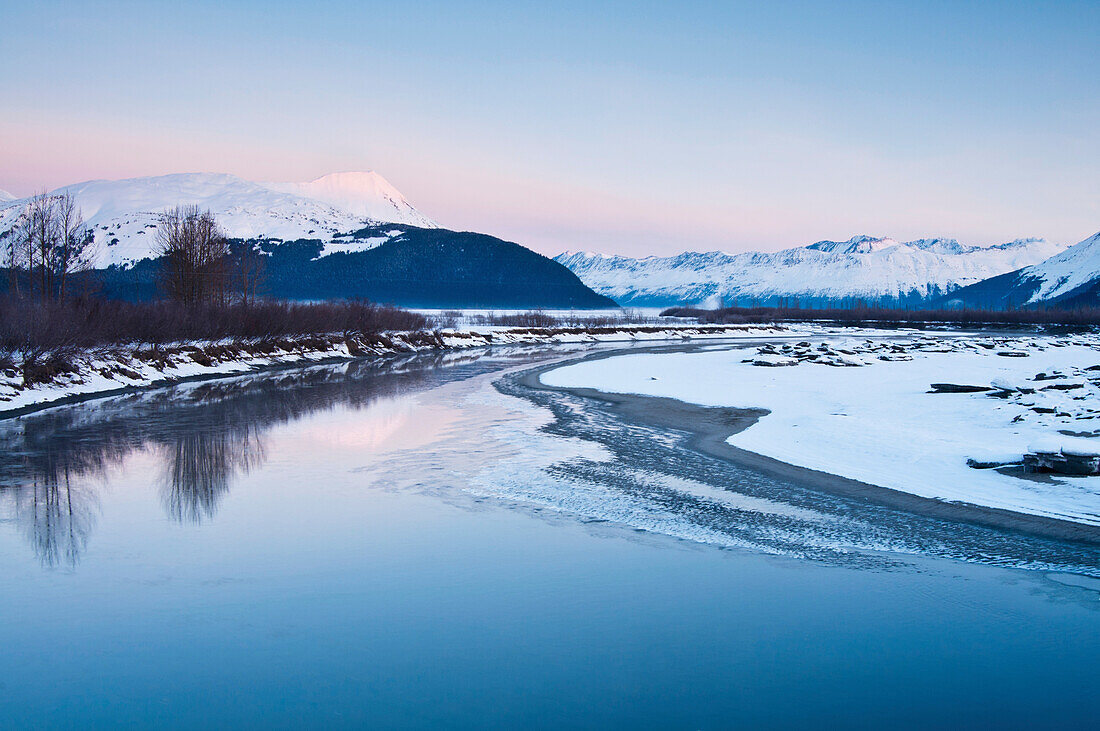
{"type": "Point", "coordinates": [123, 213]}
{"type": "Point", "coordinates": [1070, 278]}
{"type": "Point", "coordinates": [363, 194]}
{"type": "Point", "coordinates": [875, 270]}
{"type": "Point", "coordinates": [5, 196]}
{"type": "Point", "coordinates": [1067, 273]}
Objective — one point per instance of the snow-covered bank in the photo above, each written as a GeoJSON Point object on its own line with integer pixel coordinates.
{"type": "Point", "coordinates": [103, 370]}
{"type": "Point", "coordinates": [879, 423]}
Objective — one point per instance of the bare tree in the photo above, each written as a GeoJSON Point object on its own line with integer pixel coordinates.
{"type": "Point", "coordinates": [22, 249]}
{"type": "Point", "coordinates": [195, 253]}
{"type": "Point", "coordinates": [17, 250]}
{"type": "Point", "coordinates": [249, 271]}
{"type": "Point", "coordinates": [48, 244]}
{"type": "Point", "coordinates": [44, 237]}
{"type": "Point", "coordinates": [75, 252]}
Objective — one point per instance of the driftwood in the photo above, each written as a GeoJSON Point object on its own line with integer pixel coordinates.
{"type": "Point", "coordinates": [958, 388]}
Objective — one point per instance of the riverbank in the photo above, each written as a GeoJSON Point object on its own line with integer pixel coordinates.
{"type": "Point", "coordinates": [92, 372]}
{"type": "Point", "coordinates": [634, 388]}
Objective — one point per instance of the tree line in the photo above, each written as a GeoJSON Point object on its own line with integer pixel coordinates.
{"type": "Point", "coordinates": [210, 289]}
{"type": "Point", "coordinates": [47, 247]}
{"type": "Point", "coordinates": [200, 266]}
{"type": "Point", "coordinates": [884, 316]}
{"type": "Point", "coordinates": [50, 248]}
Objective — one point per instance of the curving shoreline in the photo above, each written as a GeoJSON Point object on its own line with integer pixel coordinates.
{"type": "Point", "coordinates": [709, 427]}
{"type": "Point", "coordinates": [100, 372]}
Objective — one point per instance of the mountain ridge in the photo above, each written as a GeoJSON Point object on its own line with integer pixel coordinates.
{"type": "Point", "coordinates": [873, 269]}
{"type": "Point", "coordinates": [409, 266]}
{"type": "Point", "coordinates": [343, 235]}
{"type": "Point", "coordinates": [123, 213]}
{"type": "Point", "coordinates": [1070, 278]}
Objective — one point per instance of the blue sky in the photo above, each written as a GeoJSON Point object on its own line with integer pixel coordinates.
{"type": "Point", "coordinates": [637, 128]}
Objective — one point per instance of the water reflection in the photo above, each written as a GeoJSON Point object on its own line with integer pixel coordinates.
{"type": "Point", "coordinates": [205, 435]}
{"type": "Point", "coordinates": [203, 438]}
{"type": "Point", "coordinates": [57, 514]}
{"type": "Point", "coordinates": [199, 467]}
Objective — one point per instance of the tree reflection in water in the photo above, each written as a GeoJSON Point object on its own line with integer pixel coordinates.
{"type": "Point", "coordinates": [57, 514]}
{"type": "Point", "coordinates": [205, 434]}
{"type": "Point", "coordinates": [200, 466]}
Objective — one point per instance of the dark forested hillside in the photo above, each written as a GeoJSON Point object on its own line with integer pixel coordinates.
{"type": "Point", "coordinates": [1003, 292]}
{"type": "Point", "coordinates": [1015, 290]}
{"type": "Point", "coordinates": [420, 268]}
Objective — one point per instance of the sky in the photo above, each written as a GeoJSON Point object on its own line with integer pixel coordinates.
{"type": "Point", "coordinates": [635, 128]}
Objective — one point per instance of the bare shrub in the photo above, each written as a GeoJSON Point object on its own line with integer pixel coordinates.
{"type": "Point", "coordinates": [45, 369]}
{"type": "Point", "coordinates": [580, 318]}
{"type": "Point", "coordinates": [531, 318]}
{"type": "Point", "coordinates": [624, 317]}
{"type": "Point", "coordinates": [35, 329]}
{"type": "Point", "coordinates": [447, 319]}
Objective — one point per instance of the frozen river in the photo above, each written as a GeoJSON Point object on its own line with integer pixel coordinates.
{"type": "Point", "coordinates": [432, 541]}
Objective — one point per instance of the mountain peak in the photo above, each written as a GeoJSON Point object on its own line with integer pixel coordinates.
{"type": "Point", "coordinates": [1073, 268]}
{"type": "Point", "coordinates": [5, 196]}
{"type": "Point", "coordinates": [363, 193]}
{"type": "Point", "coordinates": [351, 177]}
{"type": "Point", "coordinates": [861, 244]}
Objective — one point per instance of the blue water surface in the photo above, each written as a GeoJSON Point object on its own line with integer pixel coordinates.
{"type": "Point", "coordinates": [237, 554]}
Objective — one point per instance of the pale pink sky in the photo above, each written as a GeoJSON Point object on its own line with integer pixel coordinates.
{"type": "Point", "coordinates": [620, 129]}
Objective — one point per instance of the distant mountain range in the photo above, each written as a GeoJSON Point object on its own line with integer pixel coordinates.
{"type": "Point", "coordinates": [342, 235]}
{"type": "Point", "coordinates": [1068, 279]}
{"type": "Point", "coordinates": [354, 235]}
{"type": "Point", "coordinates": [866, 269]}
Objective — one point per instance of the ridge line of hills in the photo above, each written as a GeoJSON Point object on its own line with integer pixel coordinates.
{"type": "Point", "coordinates": [344, 235]}
{"type": "Point", "coordinates": [353, 234]}
{"type": "Point", "coordinates": [867, 270]}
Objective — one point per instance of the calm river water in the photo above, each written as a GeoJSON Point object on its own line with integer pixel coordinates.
{"type": "Point", "coordinates": [426, 542]}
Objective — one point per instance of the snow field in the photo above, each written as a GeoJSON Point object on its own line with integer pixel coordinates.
{"type": "Point", "coordinates": [878, 423]}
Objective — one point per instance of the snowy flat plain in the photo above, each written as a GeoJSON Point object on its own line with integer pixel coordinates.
{"type": "Point", "coordinates": [879, 424]}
